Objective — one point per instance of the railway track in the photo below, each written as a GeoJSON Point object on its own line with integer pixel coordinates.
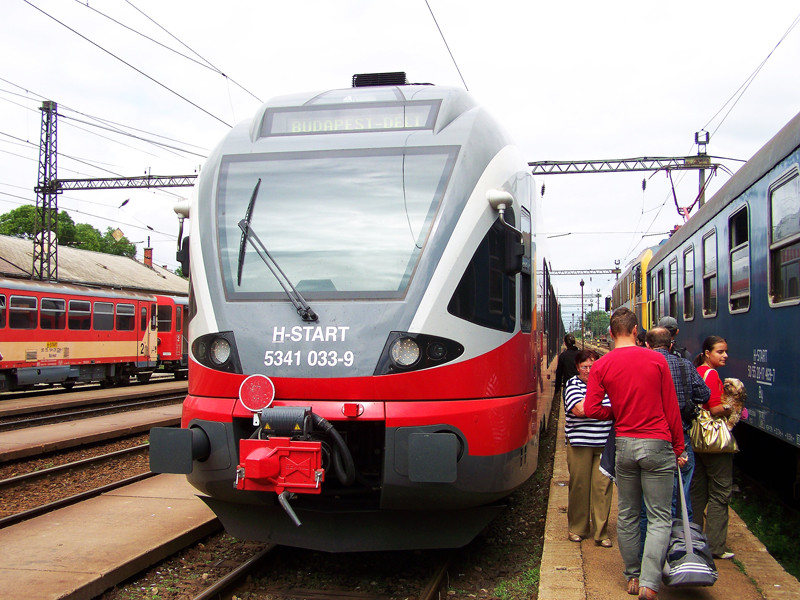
{"type": "Point", "coordinates": [55, 390]}
{"type": "Point", "coordinates": [39, 491]}
{"type": "Point", "coordinates": [255, 569]}
{"type": "Point", "coordinates": [110, 406]}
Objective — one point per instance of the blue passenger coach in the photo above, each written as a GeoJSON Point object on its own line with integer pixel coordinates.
{"type": "Point", "coordinates": [734, 270]}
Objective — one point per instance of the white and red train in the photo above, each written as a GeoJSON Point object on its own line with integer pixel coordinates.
{"type": "Point", "coordinates": [368, 333]}
{"type": "Point", "coordinates": [53, 333]}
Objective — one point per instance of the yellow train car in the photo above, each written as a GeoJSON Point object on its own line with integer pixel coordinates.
{"type": "Point", "coordinates": [630, 290]}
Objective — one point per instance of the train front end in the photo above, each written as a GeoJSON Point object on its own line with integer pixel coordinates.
{"type": "Point", "coordinates": [362, 367]}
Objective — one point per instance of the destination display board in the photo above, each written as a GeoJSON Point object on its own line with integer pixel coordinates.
{"type": "Point", "coordinates": [353, 118]}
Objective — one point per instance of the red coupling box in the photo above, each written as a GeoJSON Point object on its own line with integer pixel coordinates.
{"type": "Point", "coordinates": [280, 464]}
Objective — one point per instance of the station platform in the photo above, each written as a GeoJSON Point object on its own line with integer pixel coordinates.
{"type": "Point", "coordinates": [48, 438]}
{"type": "Point", "coordinates": [583, 571]}
{"type": "Point", "coordinates": [82, 550]}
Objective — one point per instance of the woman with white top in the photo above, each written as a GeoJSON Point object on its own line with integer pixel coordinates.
{"type": "Point", "coordinates": [589, 490]}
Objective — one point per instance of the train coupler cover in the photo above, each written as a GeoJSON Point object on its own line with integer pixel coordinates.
{"type": "Point", "coordinates": [280, 464]}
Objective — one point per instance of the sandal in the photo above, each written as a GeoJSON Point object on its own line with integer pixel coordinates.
{"type": "Point", "coordinates": [633, 586]}
{"type": "Point", "coordinates": [606, 543]}
{"type": "Point", "coordinates": [574, 537]}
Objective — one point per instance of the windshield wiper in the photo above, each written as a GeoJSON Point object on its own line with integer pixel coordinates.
{"type": "Point", "coordinates": [243, 242]}
{"type": "Point", "coordinates": [248, 235]}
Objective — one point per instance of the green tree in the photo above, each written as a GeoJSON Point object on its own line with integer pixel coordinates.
{"type": "Point", "coordinates": [122, 247]}
{"type": "Point", "coordinates": [21, 222]}
{"type": "Point", "coordinates": [88, 238]}
{"type": "Point", "coordinates": [597, 322]}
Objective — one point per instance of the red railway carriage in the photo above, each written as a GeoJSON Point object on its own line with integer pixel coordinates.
{"type": "Point", "coordinates": [64, 334]}
{"type": "Point", "coordinates": [173, 348]}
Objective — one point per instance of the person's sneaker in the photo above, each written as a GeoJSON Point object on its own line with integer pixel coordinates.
{"type": "Point", "coordinates": [725, 555]}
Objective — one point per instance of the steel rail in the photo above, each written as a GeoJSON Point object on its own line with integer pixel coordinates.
{"type": "Point", "coordinates": [232, 579]}
{"type": "Point", "coordinates": [109, 409]}
{"type": "Point", "coordinates": [51, 506]}
{"type": "Point", "coordinates": [25, 477]}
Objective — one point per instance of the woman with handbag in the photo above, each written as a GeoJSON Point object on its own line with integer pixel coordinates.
{"type": "Point", "coordinates": [713, 472]}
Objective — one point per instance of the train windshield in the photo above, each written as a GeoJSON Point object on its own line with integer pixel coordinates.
{"type": "Point", "coordinates": [348, 224]}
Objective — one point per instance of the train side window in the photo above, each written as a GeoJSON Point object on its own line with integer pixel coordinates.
{"type": "Point", "coordinates": [178, 318]}
{"type": "Point", "coordinates": [486, 295]}
{"type": "Point", "coordinates": [710, 274]}
{"type": "Point", "coordinates": [2, 311]}
{"type": "Point", "coordinates": [80, 314]}
{"type": "Point", "coordinates": [739, 248]}
{"type": "Point", "coordinates": [526, 293]}
{"type": "Point", "coordinates": [23, 312]}
{"type": "Point", "coordinates": [53, 314]}
{"type": "Point", "coordinates": [784, 243]}
{"type": "Point", "coordinates": [126, 317]}
{"type": "Point", "coordinates": [143, 319]}
{"type": "Point", "coordinates": [660, 295]}
{"type": "Point", "coordinates": [164, 318]}
{"type": "Point", "coordinates": [673, 287]}
{"type": "Point", "coordinates": [103, 318]}
{"type": "Point", "coordinates": [688, 284]}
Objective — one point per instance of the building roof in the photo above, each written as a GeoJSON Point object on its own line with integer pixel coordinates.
{"type": "Point", "coordinates": [91, 268]}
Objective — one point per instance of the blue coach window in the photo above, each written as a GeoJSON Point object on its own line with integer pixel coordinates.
{"type": "Point", "coordinates": [739, 291]}
{"type": "Point", "coordinates": [688, 284]}
{"type": "Point", "coordinates": [710, 274]}
{"type": "Point", "coordinates": [784, 250]}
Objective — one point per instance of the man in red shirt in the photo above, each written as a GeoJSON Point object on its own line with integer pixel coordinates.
{"type": "Point", "coordinates": [649, 437]}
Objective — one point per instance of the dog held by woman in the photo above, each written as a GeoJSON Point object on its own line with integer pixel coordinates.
{"type": "Point", "coordinates": [734, 396]}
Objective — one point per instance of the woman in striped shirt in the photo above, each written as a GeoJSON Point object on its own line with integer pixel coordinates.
{"type": "Point", "coordinates": [589, 490]}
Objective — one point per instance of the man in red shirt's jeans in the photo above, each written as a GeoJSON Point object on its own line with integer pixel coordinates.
{"type": "Point", "coordinates": [649, 437]}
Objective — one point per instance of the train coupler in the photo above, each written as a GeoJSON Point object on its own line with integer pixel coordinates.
{"type": "Point", "coordinates": [279, 465]}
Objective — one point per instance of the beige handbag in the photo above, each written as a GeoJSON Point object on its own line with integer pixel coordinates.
{"type": "Point", "coordinates": [710, 434]}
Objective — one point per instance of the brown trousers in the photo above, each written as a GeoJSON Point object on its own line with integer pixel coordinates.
{"type": "Point", "coordinates": [589, 493]}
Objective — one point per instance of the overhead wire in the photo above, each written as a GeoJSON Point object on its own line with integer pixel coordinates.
{"type": "Point", "coordinates": [748, 81]}
{"type": "Point", "coordinates": [123, 61]}
{"type": "Point", "coordinates": [108, 123]}
{"type": "Point", "coordinates": [453, 58]}
{"type": "Point", "coordinates": [210, 65]}
{"type": "Point", "coordinates": [737, 95]}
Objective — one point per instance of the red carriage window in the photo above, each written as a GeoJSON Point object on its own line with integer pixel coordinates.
{"type": "Point", "coordinates": [80, 314]}
{"type": "Point", "coordinates": [2, 310]}
{"type": "Point", "coordinates": [143, 319]}
{"type": "Point", "coordinates": [53, 314]}
{"type": "Point", "coordinates": [164, 318]}
{"type": "Point", "coordinates": [178, 318]}
{"type": "Point", "coordinates": [103, 316]}
{"type": "Point", "coordinates": [126, 317]}
{"type": "Point", "coordinates": [22, 312]}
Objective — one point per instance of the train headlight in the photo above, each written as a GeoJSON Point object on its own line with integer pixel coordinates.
{"type": "Point", "coordinates": [220, 351]}
{"type": "Point", "coordinates": [217, 351]}
{"type": "Point", "coordinates": [404, 352]}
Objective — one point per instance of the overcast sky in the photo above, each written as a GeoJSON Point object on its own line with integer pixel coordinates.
{"type": "Point", "coordinates": [573, 80]}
